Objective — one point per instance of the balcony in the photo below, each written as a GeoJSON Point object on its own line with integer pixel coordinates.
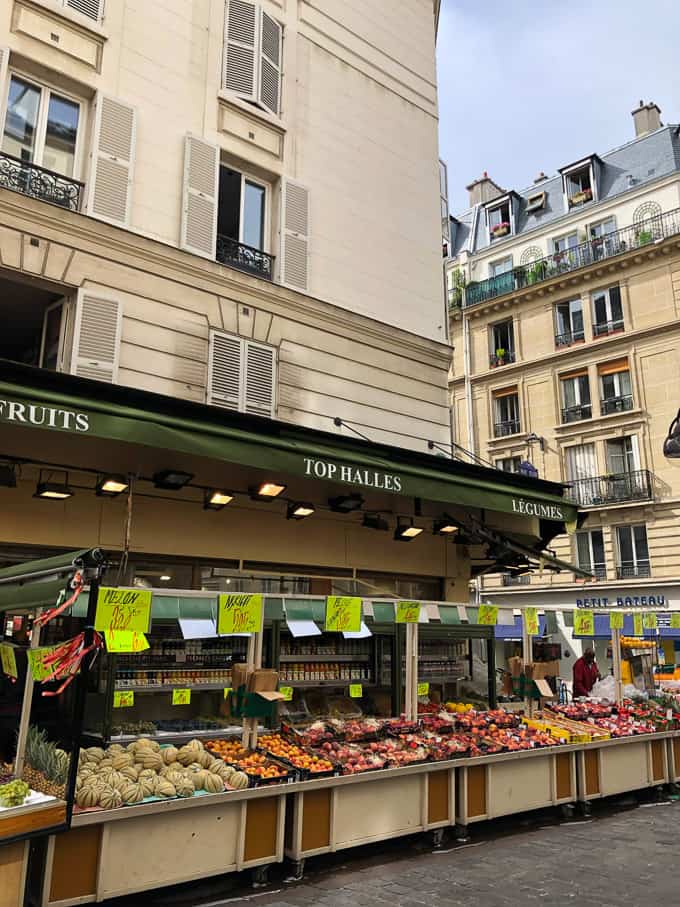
{"type": "Point", "coordinates": [605, 328]}
{"type": "Point", "coordinates": [628, 569]}
{"type": "Point", "coordinates": [612, 489]}
{"type": "Point", "coordinates": [577, 413]}
{"type": "Point", "coordinates": [590, 252]}
{"type": "Point", "coordinates": [244, 258]}
{"type": "Point", "coordinates": [502, 429]}
{"type": "Point", "coordinates": [616, 404]}
{"type": "Point", "coordinates": [29, 179]}
{"type": "Point", "coordinates": [569, 338]}
{"type": "Point", "coordinates": [495, 361]}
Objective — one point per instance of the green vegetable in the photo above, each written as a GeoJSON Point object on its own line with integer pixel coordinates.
{"type": "Point", "coordinates": [14, 793]}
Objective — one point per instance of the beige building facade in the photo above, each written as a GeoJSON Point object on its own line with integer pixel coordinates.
{"type": "Point", "coordinates": [565, 321]}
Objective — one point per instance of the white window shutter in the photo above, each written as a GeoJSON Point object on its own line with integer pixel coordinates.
{"type": "Point", "coordinates": [111, 173]}
{"type": "Point", "coordinates": [96, 341]}
{"type": "Point", "coordinates": [199, 197]}
{"type": "Point", "coordinates": [239, 64]}
{"type": "Point", "coordinates": [259, 379]}
{"type": "Point", "coordinates": [270, 64]}
{"type": "Point", "coordinates": [93, 9]}
{"type": "Point", "coordinates": [225, 371]}
{"type": "Point", "coordinates": [295, 235]}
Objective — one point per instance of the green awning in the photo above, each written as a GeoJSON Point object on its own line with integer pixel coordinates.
{"type": "Point", "coordinates": [37, 583]}
{"type": "Point", "coordinates": [281, 450]}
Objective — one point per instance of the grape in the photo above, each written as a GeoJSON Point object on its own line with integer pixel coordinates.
{"type": "Point", "coordinates": [14, 793]}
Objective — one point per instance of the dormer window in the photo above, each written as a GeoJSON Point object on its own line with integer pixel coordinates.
{"type": "Point", "coordinates": [579, 182]}
{"type": "Point", "coordinates": [500, 223]}
{"type": "Point", "coordinates": [535, 202]}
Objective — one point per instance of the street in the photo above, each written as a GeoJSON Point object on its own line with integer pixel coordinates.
{"type": "Point", "coordinates": [620, 856]}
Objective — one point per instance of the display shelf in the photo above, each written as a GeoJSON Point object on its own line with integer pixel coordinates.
{"type": "Point", "coordinates": [333, 658]}
{"type": "Point", "coordinates": [169, 687]}
{"type": "Point", "coordinates": [169, 666]}
{"type": "Point", "coordinates": [327, 683]}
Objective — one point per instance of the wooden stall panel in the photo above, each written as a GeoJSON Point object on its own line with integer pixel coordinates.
{"type": "Point", "coordinates": [438, 797]}
{"type": "Point", "coordinates": [476, 791]}
{"type": "Point", "coordinates": [377, 809]}
{"type": "Point", "coordinates": [519, 785]}
{"type": "Point", "coordinates": [261, 827]}
{"type": "Point", "coordinates": [624, 768]}
{"type": "Point", "coordinates": [563, 776]}
{"type": "Point", "coordinates": [75, 862]}
{"type": "Point", "coordinates": [591, 765]}
{"type": "Point", "coordinates": [676, 756]}
{"type": "Point", "coordinates": [157, 850]}
{"type": "Point", "coordinates": [12, 874]}
{"type": "Point", "coordinates": [32, 820]}
{"type": "Point", "coordinates": [316, 819]}
{"type": "Point", "coordinates": [658, 761]}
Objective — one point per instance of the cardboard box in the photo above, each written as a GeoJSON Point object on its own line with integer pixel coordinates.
{"type": "Point", "coordinates": [515, 665]}
{"type": "Point", "coordinates": [239, 675]}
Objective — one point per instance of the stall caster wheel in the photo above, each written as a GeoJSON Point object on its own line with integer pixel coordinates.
{"type": "Point", "coordinates": [461, 834]}
{"type": "Point", "coordinates": [260, 876]}
{"type": "Point", "coordinates": [437, 838]}
{"type": "Point", "coordinates": [567, 810]}
{"type": "Point", "coordinates": [585, 809]}
{"type": "Point", "coordinates": [298, 871]}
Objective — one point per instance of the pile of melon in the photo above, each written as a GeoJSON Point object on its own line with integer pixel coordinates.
{"type": "Point", "coordinates": [120, 776]}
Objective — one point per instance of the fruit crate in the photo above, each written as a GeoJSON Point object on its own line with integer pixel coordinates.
{"type": "Point", "coordinates": [289, 775]}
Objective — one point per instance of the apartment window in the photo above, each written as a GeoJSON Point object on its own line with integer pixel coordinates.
{"type": "Point", "coordinates": [565, 243]}
{"type": "Point", "coordinates": [506, 412]}
{"type": "Point", "coordinates": [93, 9]}
{"type": "Point", "coordinates": [502, 341]}
{"type": "Point", "coordinates": [243, 222]}
{"type": "Point", "coordinates": [633, 551]}
{"type": "Point", "coordinates": [241, 375]}
{"type": "Point", "coordinates": [509, 464]}
{"type": "Point", "coordinates": [607, 312]}
{"type": "Point", "coordinates": [590, 552]}
{"type": "Point", "coordinates": [622, 455]}
{"type": "Point", "coordinates": [500, 267]}
{"type": "Point", "coordinates": [578, 185]}
{"type": "Point", "coordinates": [576, 402]}
{"type": "Point", "coordinates": [616, 395]}
{"type": "Point", "coordinates": [500, 223]}
{"type": "Point", "coordinates": [42, 126]}
{"type": "Point", "coordinates": [569, 323]}
{"type": "Point", "coordinates": [253, 47]}
{"type": "Point", "coordinates": [602, 228]}
{"type": "Point", "coordinates": [535, 202]}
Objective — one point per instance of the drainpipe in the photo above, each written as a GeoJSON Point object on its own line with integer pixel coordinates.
{"type": "Point", "coordinates": [471, 443]}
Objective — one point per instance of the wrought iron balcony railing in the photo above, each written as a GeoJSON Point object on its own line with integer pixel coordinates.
{"type": "Point", "coordinates": [569, 338]}
{"type": "Point", "coordinates": [612, 489]}
{"type": "Point", "coordinates": [577, 413]}
{"type": "Point", "coordinates": [513, 579]}
{"type": "Point", "coordinates": [600, 248]}
{"type": "Point", "coordinates": [245, 258]}
{"type": "Point", "coordinates": [607, 327]}
{"type": "Point", "coordinates": [501, 429]}
{"type": "Point", "coordinates": [29, 179]}
{"type": "Point", "coordinates": [495, 361]}
{"type": "Point", "coordinates": [628, 569]}
{"type": "Point", "coordinates": [611, 405]}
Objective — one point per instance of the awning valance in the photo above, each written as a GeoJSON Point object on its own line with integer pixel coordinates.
{"type": "Point", "coordinates": [38, 583]}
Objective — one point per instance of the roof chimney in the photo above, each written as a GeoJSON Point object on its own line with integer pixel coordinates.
{"type": "Point", "coordinates": [647, 118]}
{"type": "Point", "coordinates": [483, 190]}
{"type": "Point", "coordinates": [540, 178]}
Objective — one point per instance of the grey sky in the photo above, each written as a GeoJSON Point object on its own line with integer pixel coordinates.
{"type": "Point", "coordinates": [526, 85]}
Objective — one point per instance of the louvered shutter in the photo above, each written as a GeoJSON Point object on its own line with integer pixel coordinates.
{"type": "Point", "coordinates": [93, 9]}
{"type": "Point", "coordinates": [96, 342]}
{"type": "Point", "coordinates": [260, 369]}
{"type": "Point", "coordinates": [270, 64]}
{"type": "Point", "coordinates": [239, 66]}
{"type": "Point", "coordinates": [295, 235]}
{"type": "Point", "coordinates": [110, 189]}
{"type": "Point", "coordinates": [199, 198]}
{"type": "Point", "coordinates": [4, 62]}
{"type": "Point", "coordinates": [225, 371]}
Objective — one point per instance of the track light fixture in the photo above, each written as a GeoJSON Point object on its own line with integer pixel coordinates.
{"type": "Point", "coordinates": [444, 527]}
{"type": "Point", "coordinates": [299, 510]}
{"type": "Point", "coordinates": [375, 521]}
{"type": "Point", "coordinates": [8, 476]}
{"type": "Point", "coordinates": [172, 479]}
{"type": "Point", "coordinates": [110, 486]}
{"type": "Point", "coordinates": [346, 503]}
{"type": "Point", "coordinates": [266, 491]}
{"type": "Point", "coordinates": [406, 531]}
{"type": "Point", "coordinates": [53, 491]}
{"type": "Point", "coordinates": [216, 499]}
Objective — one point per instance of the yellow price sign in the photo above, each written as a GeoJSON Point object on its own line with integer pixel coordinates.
{"type": "Point", "coordinates": [408, 612]}
{"type": "Point", "coordinates": [123, 609]}
{"type": "Point", "coordinates": [649, 622]}
{"type": "Point", "coordinates": [584, 623]}
{"type": "Point", "coordinates": [343, 614]}
{"type": "Point", "coordinates": [8, 660]}
{"type": "Point", "coordinates": [123, 699]}
{"type": "Point", "coordinates": [423, 689]}
{"type": "Point", "coordinates": [239, 614]}
{"type": "Point", "coordinates": [616, 620]}
{"type": "Point", "coordinates": [488, 615]}
{"type": "Point", "coordinates": [226, 692]}
{"type": "Point", "coordinates": [125, 641]}
{"type": "Point", "coordinates": [181, 697]}
{"type": "Point", "coordinates": [675, 620]}
{"type": "Point", "coordinates": [287, 693]}
{"type": "Point", "coordinates": [638, 628]}
{"type": "Point", "coordinates": [356, 691]}
{"type": "Point", "coordinates": [36, 661]}
{"type": "Point", "coordinates": [530, 617]}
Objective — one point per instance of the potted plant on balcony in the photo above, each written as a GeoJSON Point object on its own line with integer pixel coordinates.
{"type": "Point", "coordinates": [580, 198]}
{"type": "Point", "coordinates": [501, 229]}
{"type": "Point", "coordinates": [644, 237]}
{"type": "Point", "coordinates": [500, 356]}
{"type": "Point", "coordinates": [536, 272]}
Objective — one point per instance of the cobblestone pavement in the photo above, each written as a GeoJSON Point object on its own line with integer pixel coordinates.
{"type": "Point", "coordinates": [624, 856]}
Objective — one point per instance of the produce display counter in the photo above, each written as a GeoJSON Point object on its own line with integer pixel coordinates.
{"type": "Point", "coordinates": [673, 758]}
{"type": "Point", "coordinates": [13, 865]}
{"type": "Point", "coordinates": [492, 786]}
{"type": "Point", "coordinates": [618, 766]}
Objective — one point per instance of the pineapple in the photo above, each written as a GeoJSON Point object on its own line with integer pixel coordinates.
{"type": "Point", "coordinates": [45, 765]}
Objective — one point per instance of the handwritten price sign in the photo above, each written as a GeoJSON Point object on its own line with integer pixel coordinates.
{"type": "Point", "coordinates": [616, 620]}
{"type": "Point", "coordinates": [239, 614]}
{"type": "Point", "coordinates": [181, 697]}
{"type": "Point", "coordinates": [649, 621]}
{"type": "Point", "coordinates": [408, 612]}
{"type": "Point", "coordinates": [423, 689]}
{"type": "Point", "coordinates": [638, 629]}
{"type": "Point", "coordinates": [584, 623]}
{"type": "Point", "coordinates": [123, 699]}
{"type": "Point", "coordinates": [675, 620]}
{"type": "Point", "coordinates": [36, 661]}
{"type": "Point", "coordinates": [488, 615]}
{"type": "Point", "coordinates": [287, 693]}
{"type": "Point", "coordinates": [227, 692]}
{"type": "Point", "coordinates": [125, 641]}
{"type": "Point", "coordinates": [123, 609]}
{"type": "Point", "coordinates": [356, 691]}
{"type": "Point", "coordinates": [343, 614]}
{"type": "Point", "coordinates": [9, 662]}
{"type": "Point", "coordinates": [530, 616]}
